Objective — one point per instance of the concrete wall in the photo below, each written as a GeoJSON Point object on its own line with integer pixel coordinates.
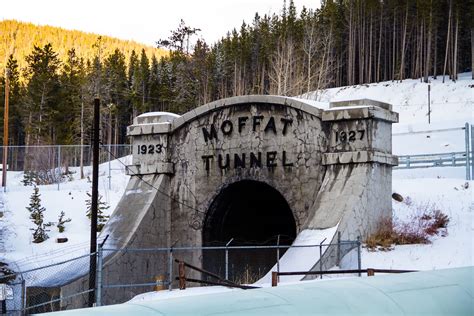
{"type": "Point", "coordinates": [332, 167]}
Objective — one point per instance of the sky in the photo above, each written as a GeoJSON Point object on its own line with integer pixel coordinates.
{"type": "Point", "coordinates": [144, 21]}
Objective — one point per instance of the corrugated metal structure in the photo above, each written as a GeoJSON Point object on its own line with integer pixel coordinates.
{"type": "Point", "coordinates": [439, 292]}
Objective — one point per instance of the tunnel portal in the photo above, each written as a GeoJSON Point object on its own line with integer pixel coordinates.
{"type": "Point", "coordinates": [250, 213]}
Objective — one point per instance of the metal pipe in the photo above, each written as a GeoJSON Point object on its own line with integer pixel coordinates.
{"type": "Point", "coordinates": [110, 168]}
{"type": "Point", "coordinates": [227, 259]}
{"type": "Point", "coordinates": [170, 269]}
{"type": "Point", "coordinates": [278, 254]}
{"type": "Point", "coordinates": [321, 256]}
{"type": "Point", "coordinates": [59, 166]}
{"type": "Point", "coordinates": [98, 293]}
{"type": "Point", "coordinates": [472, 152]}
{"type": "Point", "coordinates": [359, 258]}
{"type": "Point", "coordinates": [466, 135]}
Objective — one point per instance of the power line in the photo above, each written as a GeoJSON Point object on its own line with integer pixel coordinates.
{"type": "Point", "coordinates": [151, 185]}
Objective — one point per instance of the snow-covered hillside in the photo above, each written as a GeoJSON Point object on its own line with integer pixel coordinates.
{"type": "Point", "coordinates": [452, 106]}
{"type": "Point", "coordinates": [450, 101]}
{"type": "Point", "coordinates": [19, 250]}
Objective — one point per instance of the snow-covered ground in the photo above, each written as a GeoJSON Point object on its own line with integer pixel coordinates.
{"type": "Point", "coordinates": [440, 188]}
{"type": "Point", "coordinates": [18, 248]}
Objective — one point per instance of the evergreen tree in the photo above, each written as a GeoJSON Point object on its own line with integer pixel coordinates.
{"type": "Point", "coordinates": [134, 85]}
{"type": "Point", "coordinates": [154, 85]}
{"type": "Point", "coordinates": [37, 216]}
{"type": "Point", "coordinates": [143, 81]}
{"type": "Point", "coordinates": [62, 222]}
{"type": "Point", "coordinates": [16, 127]}
{"type": "Point", "coordinates": [118, 113]}
{"type": "Point", "coordinates": [72, 99]}
{"type": "Point", "coordinates": [101, 207]}
{"type": "Point", "coordinates": [43, 95]}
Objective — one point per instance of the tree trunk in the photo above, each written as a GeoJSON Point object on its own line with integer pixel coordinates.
{"type": "Point", "coordinates": [428, 49]}
{"type": "Point", "coordinates": [472, 52]}
{"type": "Point", "coordinates": [402, 63]}
{"type": "Point", "coordinates": [394, 45]}
{"type": "Point", "coordinates": [455, 54]}
{"type": "Point", "coordinates": [377, 79]}
{"type": "Point", "coordinates": [447, 39]}
{"type": "Point", "coordinates": [435, 58]}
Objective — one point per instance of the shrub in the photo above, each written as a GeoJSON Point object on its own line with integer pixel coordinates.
{"type": "Point", "coordinates": [416, 230]}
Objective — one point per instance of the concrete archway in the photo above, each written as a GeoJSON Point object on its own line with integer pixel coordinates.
{"type": "Point", "coordinates": [331, 166]}
{"type": "Point", "coordinates": [248, 213]}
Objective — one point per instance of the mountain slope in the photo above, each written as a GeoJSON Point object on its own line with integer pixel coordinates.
{"type": "Point", "coordinates": [18, 38]}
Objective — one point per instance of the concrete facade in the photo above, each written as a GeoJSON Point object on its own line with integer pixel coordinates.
{"type": "Point", "coordinates": [333, 167]}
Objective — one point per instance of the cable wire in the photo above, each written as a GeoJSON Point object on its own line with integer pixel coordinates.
{"type": "Point", "coordinates": [149, 184]}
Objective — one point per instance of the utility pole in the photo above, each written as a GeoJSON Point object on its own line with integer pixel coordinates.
{"type": "Point", "coordinates": [5, 131]}
{"type": "Point", "coordinates": [94, 204]}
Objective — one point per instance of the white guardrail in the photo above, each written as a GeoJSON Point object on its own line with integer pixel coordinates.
{"type": "Point", "coordinates": [453, 159]}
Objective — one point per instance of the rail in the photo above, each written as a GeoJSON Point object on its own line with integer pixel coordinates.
{"type": "Point", "coordinates": [369, 271]}
{"type": "Point", "coordinates": [453, 159]}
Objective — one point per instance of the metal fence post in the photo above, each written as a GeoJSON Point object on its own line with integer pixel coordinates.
{"type": "Point", "coordinates": [110, 168]}
{"type": "Point", "coordinates": [359, 259]}
{"type": "Point", "coordinates": [321, 257]}
{"type": "Point", "coordinates": [472, 152]}
{"type": "Point", "coordinates": [98, 290]}
{"type": "Point", "coordinates": [466, 135]}
{"type": "Point", "coordinates": [59, 166]}
{"type": "Point", "coordinates": [170, 268]}
{"type": "Point", "coordinates": [338, 254]}
{"type": "Point", "coordinates": [23, 294]}
{"type": "Point", "coordinates": [227, 259]}
{"type": "Point", "coordinates": [278, 255]}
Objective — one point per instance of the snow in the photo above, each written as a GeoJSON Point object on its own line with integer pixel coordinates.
{"type": "Point", "coordinates": [20, 251]}
{"type": "Point", "coordinates": [303, 258]}
{"type": "Point", "coordinates": [455, 250]}
{"type": "Point", "coordinates": [148, 114]}
{"type": "Point", "coordinates": [449, 101]}
{"type": "Point", "coordinates": [444, 188]}
{"type": "Point", "coordinates": [164, 295]}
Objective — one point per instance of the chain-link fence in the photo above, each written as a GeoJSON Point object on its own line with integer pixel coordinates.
{"type": "Point", "coordinates": [56, 164]}
{"type": "Point", "coordinates": [124, 273]}
{"type": "Point", "coordinates": [39, 289]}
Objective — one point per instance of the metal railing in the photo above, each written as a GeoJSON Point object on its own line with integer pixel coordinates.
{"type": "Point", "coordinates": [369, 271]}
{"type": "Point", "coordinates": [452, 159]}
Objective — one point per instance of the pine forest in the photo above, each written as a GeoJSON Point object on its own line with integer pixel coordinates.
{"type": "Point", "coordinates": [55, 74]}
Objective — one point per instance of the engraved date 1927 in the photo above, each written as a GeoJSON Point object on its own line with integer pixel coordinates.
{"type": "Point", "coordinates": [349, 136]}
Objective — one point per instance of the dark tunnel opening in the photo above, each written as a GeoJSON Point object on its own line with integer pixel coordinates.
{"type": "Point", "coordinates": [250, 213]}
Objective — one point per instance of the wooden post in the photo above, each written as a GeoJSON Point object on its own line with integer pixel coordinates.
{"type": "Point", "coordinates": [182, 276]}
{"type": "Point", "coordinates": [94, 203]}
{"type": "Point", "coordinates": [5, 131]}
{"type": "Point", "coordinates": [370, 272]}
{"type": "Point", "coordinates": [274, 278]}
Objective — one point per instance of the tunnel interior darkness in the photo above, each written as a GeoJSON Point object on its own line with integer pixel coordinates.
{"type": "Point", "coordinates": [250, 213]}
